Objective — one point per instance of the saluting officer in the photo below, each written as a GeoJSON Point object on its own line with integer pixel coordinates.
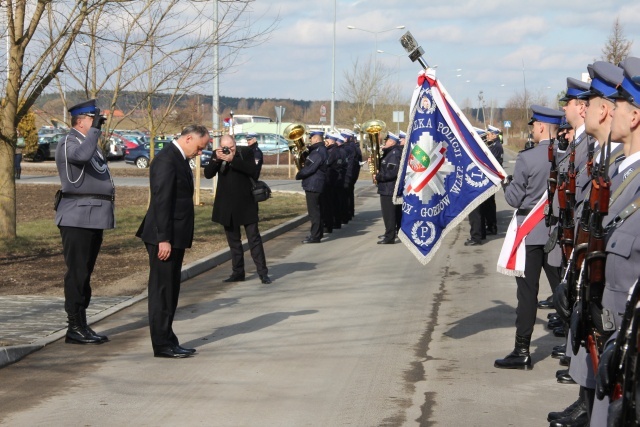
{"type": "Point", "coordinates": [313, 179]}
{"type": "Point", "coordinates": [386, 181]}
{"type": "Point", "coordinates": [85, 210]}
{"type": "Point", "coordinates": [528, 185]}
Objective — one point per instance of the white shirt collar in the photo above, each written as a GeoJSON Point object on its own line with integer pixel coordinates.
{"type": "Point", "coordinates": [580, 130]}
{"type": "Point", "coordinates": [174, 142]}
{"type": "Point", "coordinates": [628, 161]}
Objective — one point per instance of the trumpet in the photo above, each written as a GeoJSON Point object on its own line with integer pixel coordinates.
{"type": "Point", "coordinates": [294, 133]}
{"type": "Point", "coordinates": [374, 128]}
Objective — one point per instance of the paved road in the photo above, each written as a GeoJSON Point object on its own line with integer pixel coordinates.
{"type": "Point", "coordinates": [349, 333]}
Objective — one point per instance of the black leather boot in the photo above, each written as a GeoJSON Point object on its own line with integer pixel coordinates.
{"type": "Point", "coordinates": [102, 338]}
{"type": "Point", "coordinates": [77, 332]}
{"type": "Point", "coordinates": [578, 416]}
{"type": "Point", "coordinates": [553, 416]}
{"type": "Point", "coordinates": [519, 358]}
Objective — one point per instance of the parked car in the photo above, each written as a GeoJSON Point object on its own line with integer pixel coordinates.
{"type": "Point", "coordinates": [269, 143]}
{"type": "Point", "coordinates": [47, 147]}
{"type": "Point", "coordinates": [125, 142]}
{"type": "Point", "coordinates": [140, 155]}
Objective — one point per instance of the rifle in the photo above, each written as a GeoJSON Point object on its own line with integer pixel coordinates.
{"type": "Point", "coordinates": [595, 258]}
{"type": "Point", "coordinates": [580, 250]}
{"type": "Point", "coordinates": [552, 183]}
{"type": "Point", "coordinates": [567, 203]}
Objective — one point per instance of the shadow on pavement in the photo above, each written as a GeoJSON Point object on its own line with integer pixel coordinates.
{"type": "Point", "coordinates": [247, 327]}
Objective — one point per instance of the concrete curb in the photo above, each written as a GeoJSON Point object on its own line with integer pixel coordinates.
{"type": "Point", "coordinates": [13, 353]}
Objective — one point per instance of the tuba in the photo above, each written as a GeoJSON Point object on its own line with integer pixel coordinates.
{"type": "Point", "coordinates": [374, 128]}
{"type": "Point", "coordinates": [294, 133]}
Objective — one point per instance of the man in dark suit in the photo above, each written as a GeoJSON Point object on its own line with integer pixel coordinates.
{"type": "Point", "coordinates": [167, 230]}
{"type": "Point", "coordinates": [85, 210]}
{"type": "Point", "coordinates": [234, 205]}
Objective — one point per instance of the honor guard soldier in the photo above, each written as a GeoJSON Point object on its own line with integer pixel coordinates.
{"type": "Point", "coordinates": [386, 181]}
{"type": "Point", "coordinates": [597, 125]}
{"type": "Point", "coordinates": [252, 141]}
{"type": "Point", "coordinates": [313, 179]}
{"type": "Point", "coordinates": [574, 109]}
{"type": "Point", "coordinates": [622, 223]}
{"type": "Point", "coordinates": [84, 210]}
{"type": "Point", "coordinates": [528, 185]}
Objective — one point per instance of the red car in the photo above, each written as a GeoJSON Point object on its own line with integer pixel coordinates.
{"type": "Point", "coordinates": [127, 143]}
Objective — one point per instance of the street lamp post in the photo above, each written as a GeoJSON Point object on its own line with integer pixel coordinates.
{"type": "Point", "coordinates": [375, 35]}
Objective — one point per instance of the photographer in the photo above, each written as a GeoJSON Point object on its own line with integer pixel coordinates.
{"type": "Point", "coordinates": [234, 205]}
{"type": "Point", "coordinates": [85, 209]}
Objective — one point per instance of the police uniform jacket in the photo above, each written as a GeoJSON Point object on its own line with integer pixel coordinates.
{"type": "Point", "coordinates": [170, 215]}
{"type": "Point", "coordinates": [527, 187]}
{"type": "Point", "coordinates": [234, 202]}
{"type": "Point", "coordinates": [313, 173]}
{"type": "Point", "coordinates": [259, 159]}
{"type": "Point", "coordinates": [623, 261]}
{"type": "Point", "coordinates": [497, 151]}
{"type": "Point", "coordinates": [335, 166]}
{"type": "Point", "coordinates": [349, 175]}
{"type": "Point", "coordinates": [84, 170]}
{"type": "Point", "coordinates": [389, 166]}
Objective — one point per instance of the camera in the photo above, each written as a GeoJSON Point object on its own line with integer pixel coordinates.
{"type": "Point", "coordinates": [226, 150]}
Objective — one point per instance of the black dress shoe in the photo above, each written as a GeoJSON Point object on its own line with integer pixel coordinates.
{"type": "Point", "coordinates": [555, 323]}
{"type": "Point", "coordinates": [562, 347]}
{"type": "Point", "coordinates": [546, 303]}
{"type": "Point", "coordinates": [309, 240]}
{"type": "Point", "coordinates": [170, 353]}
{"type": "Point", "coordinates": [386, 242]}
{"type": "Point", "coordinates": [565, 379]}
{"type": "Point", "coordinates": [560, 332]}
{"type": "Point", "coordinates": [471, 242]}
{"type": "Point", "coordinates": [381, 236]}
{"type": "Point", "coordinates": [180, 349]}
{"type": "Point", "coordinates": [492, 231]}
{"type": "Point", "coordinates": [234, 278]}
{"type": "Point", "coordinates": [557, 354]}
{"type": "Point", "coordinates": [552, 416]}
{"type": "Point", "coordinates": [561, 372]}
{"type": "Point", "coordinates": [564, 360]}
{"type": "Point", "coordinates": [265, 279]}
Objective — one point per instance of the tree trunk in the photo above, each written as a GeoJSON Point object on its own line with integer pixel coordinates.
{"type": "Point", "coordinates": [7, 191]}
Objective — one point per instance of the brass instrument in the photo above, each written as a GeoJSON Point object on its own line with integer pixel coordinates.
{"type": "Point", "coordinates": [374, 128]}
{"type": "Point", "coordinates": [294, 133]}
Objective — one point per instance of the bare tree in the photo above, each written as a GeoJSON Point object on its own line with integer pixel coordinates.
{"type": "Point", "coordinates": [365, 87]}
{"type": "Point", "coordinates": [36, 54]}
{"type": "Point", "coordinates": [617, 47]}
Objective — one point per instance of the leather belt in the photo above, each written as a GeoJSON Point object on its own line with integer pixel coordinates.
{"type": "Point", "coordinates": [524, 212]}
{"type": "Point", "coordinates": [111, 198]}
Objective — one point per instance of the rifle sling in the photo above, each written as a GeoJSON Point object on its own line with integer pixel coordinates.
{"type": "Point", "coordinates": [624, 214]}
{"type": "Point", "coordinates": [622, 186]}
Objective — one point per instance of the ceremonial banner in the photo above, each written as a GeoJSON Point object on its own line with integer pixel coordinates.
{"type": "Point", "coordinates": [447, 171]}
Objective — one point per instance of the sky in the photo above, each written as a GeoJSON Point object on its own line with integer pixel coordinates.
{"type": "Point", "coordinates": [493, 46]}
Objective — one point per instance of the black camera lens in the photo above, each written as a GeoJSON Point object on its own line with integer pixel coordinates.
{"type": "Point", "coordinates": [225, 150]}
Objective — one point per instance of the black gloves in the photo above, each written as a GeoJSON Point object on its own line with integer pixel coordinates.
{"type": "Point", "coordinates": [98, 120]}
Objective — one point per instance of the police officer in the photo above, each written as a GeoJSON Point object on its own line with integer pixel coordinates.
{"type": "Point", "coordinates": [84, 211]}
{"type": "Point", "coordinates": [313, 179]}
{"type": "Point", "coordinates": [403, 140]}
{"type": "Point", "coordinates": [489, 206]}
{"type": "Point", "coordinates": [528, 185]}
{"type": "Point", "coordinates": [252, 141]}
{"type": "Point", "coordinates": [386, 181]}
{"type": "Point", "coordinates": [354, 157]}
{"type": "Point", "coordinates": [334, 182]}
